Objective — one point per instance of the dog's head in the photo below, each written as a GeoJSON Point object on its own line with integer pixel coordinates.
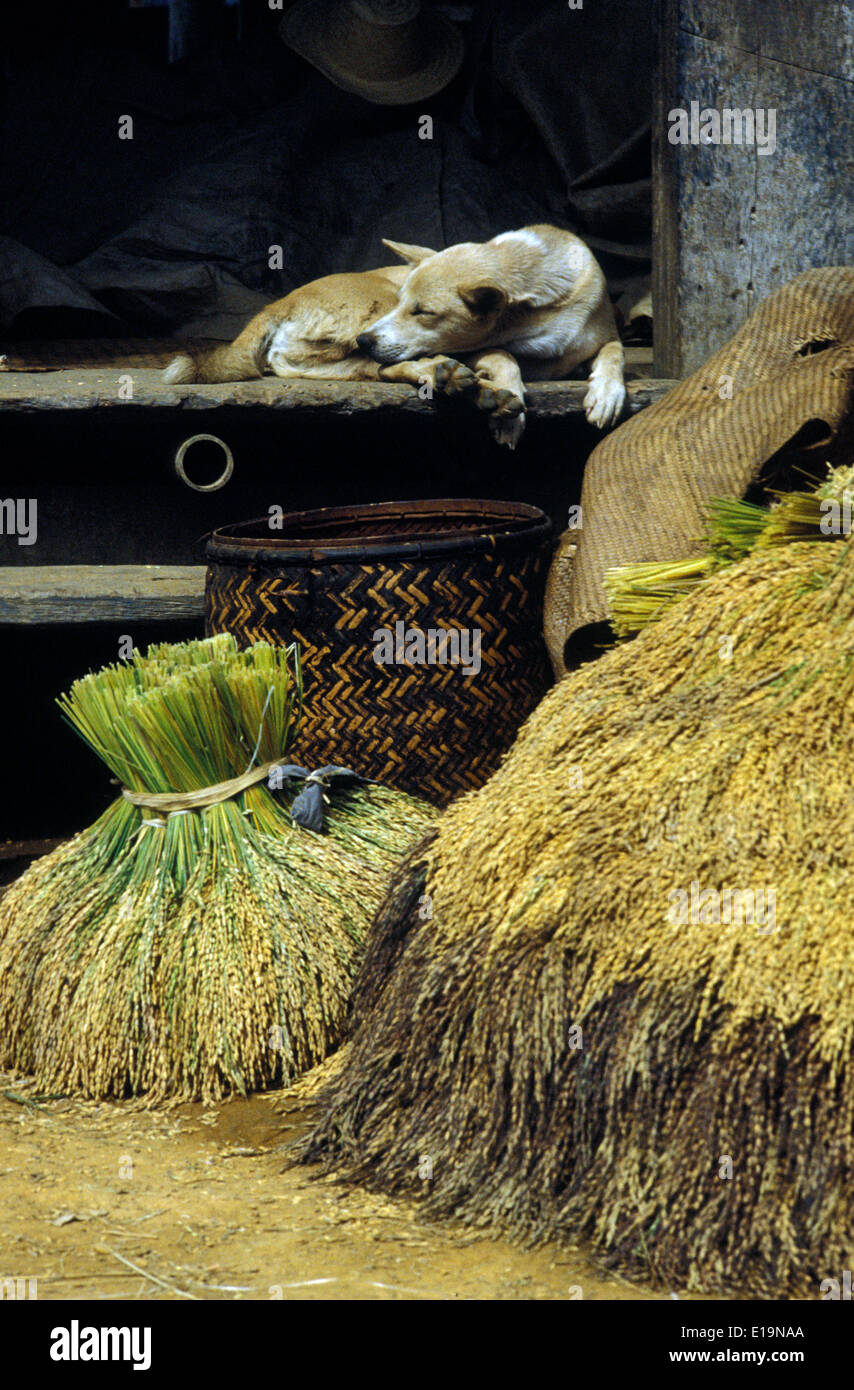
{"type": "Point", "coordinates": [447, 303]}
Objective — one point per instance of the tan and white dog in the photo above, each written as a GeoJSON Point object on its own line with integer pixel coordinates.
{"type": "Point", "coordinates": [474, 319]}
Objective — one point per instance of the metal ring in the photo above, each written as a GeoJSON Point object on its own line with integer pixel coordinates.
{"type": "Point", "coordinates": [204, 487]}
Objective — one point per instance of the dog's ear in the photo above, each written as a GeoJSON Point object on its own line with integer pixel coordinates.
{"type": "Point", "coordinates": [484, 300]}
{"type": "Point", "coordinates": [413, 255]}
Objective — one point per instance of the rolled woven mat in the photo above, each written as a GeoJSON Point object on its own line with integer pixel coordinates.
{"type": "Point", "coordinates": [785, 378]}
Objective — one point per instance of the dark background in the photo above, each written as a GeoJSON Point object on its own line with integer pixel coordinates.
{"type": "Point", "coordinates": [240, 145]}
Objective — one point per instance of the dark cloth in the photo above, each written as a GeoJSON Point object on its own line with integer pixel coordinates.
{"type": "Point", "coordinates": [247, 147]}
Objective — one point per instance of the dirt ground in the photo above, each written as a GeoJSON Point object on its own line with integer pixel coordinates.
{"type": "Point", "coordinates": [111, 1201]}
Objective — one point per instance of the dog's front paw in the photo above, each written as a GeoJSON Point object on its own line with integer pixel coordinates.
{"type": "Point", "coordinates": [604, 401]}
{"type": "Point", "coordinates": [507, 429]}
{"type": "Point", "coordinates": [506, 414]}
{"type": "Point", "coordinates": [452, 378]}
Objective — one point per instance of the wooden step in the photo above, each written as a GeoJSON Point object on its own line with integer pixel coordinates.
{"type": "Point", "coordinates": [134, 388]}
{"type": "Point", "coordinates": [38, 594]}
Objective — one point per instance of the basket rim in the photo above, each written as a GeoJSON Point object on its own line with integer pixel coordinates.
{"type": "Point", "coordinates": [514, 524]}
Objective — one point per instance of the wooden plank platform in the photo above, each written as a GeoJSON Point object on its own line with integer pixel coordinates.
{"type": "Point", "coordinates": [37, 594]}
{"type": "Point", "coordinates": [82, 593]}
{"type": "Point", "coordinates": [101, 389]}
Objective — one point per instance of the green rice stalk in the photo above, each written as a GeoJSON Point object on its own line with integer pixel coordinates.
{"type": "Point", "coordinates": [733, 528]}
{"type": "Point", "coordinates": [640, 594]}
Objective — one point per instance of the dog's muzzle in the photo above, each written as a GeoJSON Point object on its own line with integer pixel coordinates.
{"type": "Point", "coordinates": [367, 343]}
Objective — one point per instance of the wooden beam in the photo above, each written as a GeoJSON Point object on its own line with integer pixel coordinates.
{"type": "Point", "coordinates": [101, 389]}
{"type": "Point", "coordinates": [38, 594]}
{"type": "Point", "coordinates": [27, 849]}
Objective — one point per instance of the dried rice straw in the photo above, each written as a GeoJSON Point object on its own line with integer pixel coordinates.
{"type": "Point", "coordinates": [600, 1030]}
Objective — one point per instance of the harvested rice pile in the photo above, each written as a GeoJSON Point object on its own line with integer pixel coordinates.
{"type": "Point", "coordinates": [198, 952]}
{"type": "Point", "coordinates": [568, 1006]}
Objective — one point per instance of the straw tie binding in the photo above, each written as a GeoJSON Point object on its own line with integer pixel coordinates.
{"type": "Point", "coordinates": [308, 810]}
{"type": "Point", "coordinates": [175, 802]}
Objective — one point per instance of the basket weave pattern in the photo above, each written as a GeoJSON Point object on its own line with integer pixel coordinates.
{"type": "Point", "coordinates": [431, 730]}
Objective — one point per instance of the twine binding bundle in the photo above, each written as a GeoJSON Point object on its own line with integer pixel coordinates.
{"type": "Point", "coordinates": [194, 941]}
{"type": "Point", "coordinates": [629, 1016]}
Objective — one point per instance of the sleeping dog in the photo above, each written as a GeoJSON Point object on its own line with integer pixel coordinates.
{"type": "Point", "coordinates": [471, 320]}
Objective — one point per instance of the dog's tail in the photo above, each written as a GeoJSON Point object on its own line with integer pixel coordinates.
{"type": "Point", "coordinates": [242, 360]}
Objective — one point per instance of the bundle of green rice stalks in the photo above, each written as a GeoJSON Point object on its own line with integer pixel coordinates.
{"type": "Point", "coordinates": [821, 514]}
{"type": "Point", "coordinates": [194, 941]}
{"type": "Point", "coordinates": [611, 996]}
{"type": "Point", "coordinates": [639, 594]}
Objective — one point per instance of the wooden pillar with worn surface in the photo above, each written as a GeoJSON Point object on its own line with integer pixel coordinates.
{"type": "Point", "coordinates": [731, 222]}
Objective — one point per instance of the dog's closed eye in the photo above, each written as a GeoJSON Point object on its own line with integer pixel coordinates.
{"type": "Point", "coordinates": [421, 312]}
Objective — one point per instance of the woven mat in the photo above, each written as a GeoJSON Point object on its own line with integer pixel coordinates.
{"type": "Point", "coordinates": [789, 369]}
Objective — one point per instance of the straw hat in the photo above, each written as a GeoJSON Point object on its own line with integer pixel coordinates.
{"type": "Point", "coordinates": [387, 51]}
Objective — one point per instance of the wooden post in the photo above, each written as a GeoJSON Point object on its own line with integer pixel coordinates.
{"type": "Point", "coordinates": [731, 223]}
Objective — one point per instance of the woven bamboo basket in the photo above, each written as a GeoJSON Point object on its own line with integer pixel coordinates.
{"type": "Point", "coordinates": [333, 578]}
